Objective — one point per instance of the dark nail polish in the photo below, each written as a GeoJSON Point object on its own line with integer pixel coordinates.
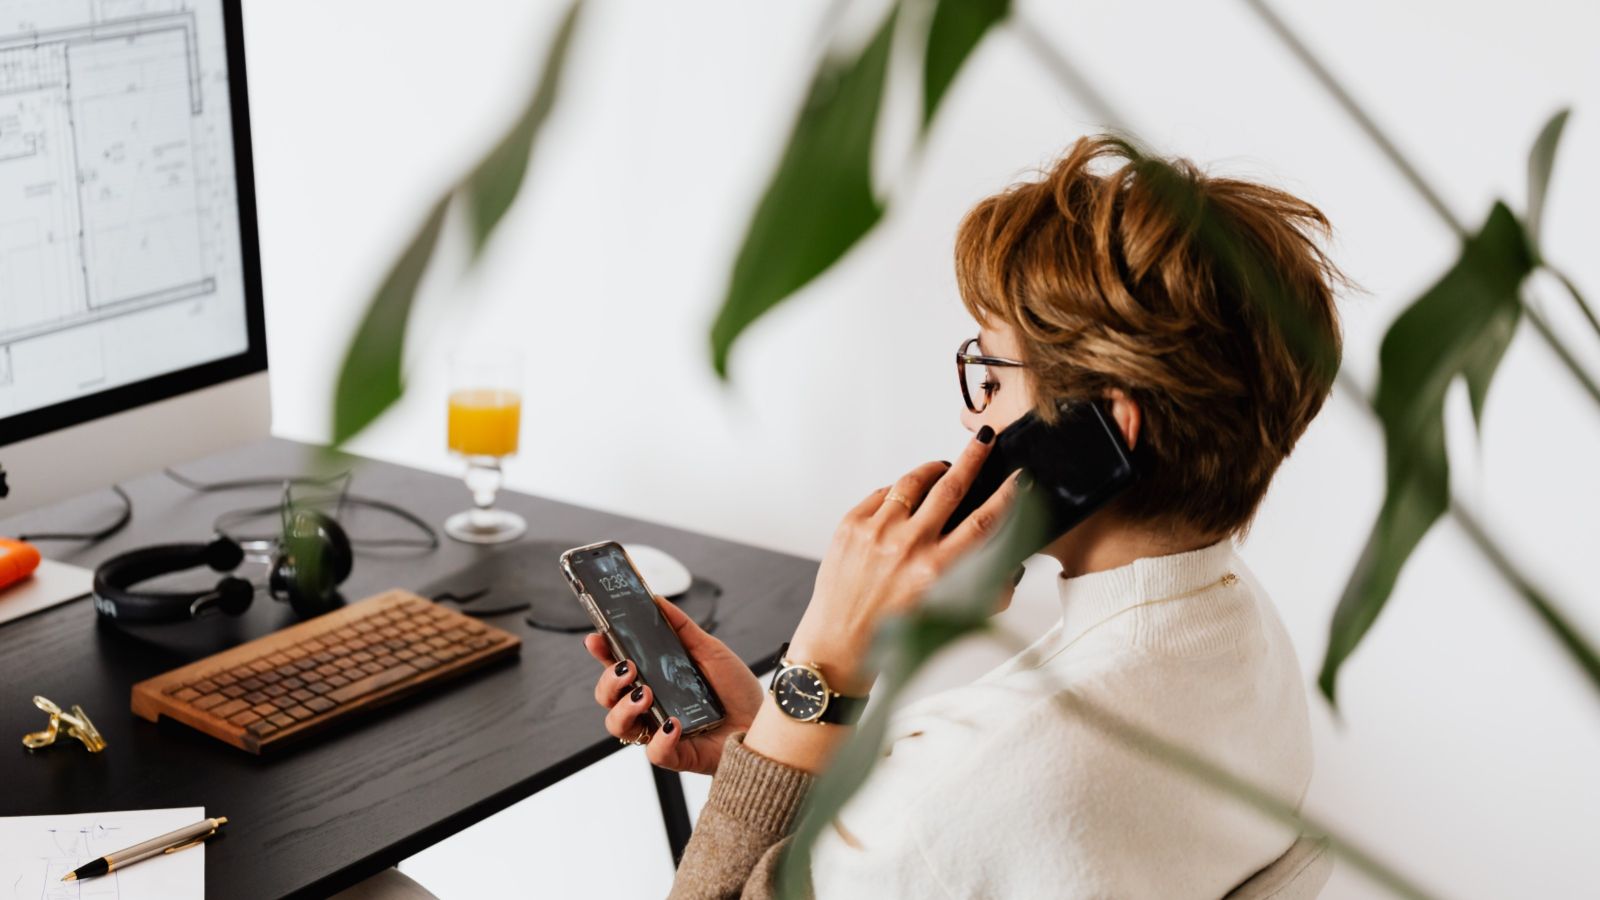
{"type": "Point", "coordinates": [638, 693]}
{"type": "Point", "coordinates": [667, 728]}
{"type": "Point", "coordinates": [1017, 578]}
{"type": "Point", "coordinates": [622, 668]}
{"type": "Point", "coordinates": [985, 434]}
{"type": "Point", "coordinates": [947, 463]}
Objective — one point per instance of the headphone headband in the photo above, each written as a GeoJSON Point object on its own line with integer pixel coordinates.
{"type": "Point", "coordinates": [314, 556]}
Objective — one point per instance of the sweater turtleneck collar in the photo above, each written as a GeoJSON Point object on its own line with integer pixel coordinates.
{"type": "Point", "coordinates": [1087, 600]}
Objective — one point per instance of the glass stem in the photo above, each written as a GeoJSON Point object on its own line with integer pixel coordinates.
{"type": "Point", "coordinates": [483, 479]}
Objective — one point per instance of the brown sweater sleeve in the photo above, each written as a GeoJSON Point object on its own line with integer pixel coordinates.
{"type": "Point", "coordinates": [743, 828]}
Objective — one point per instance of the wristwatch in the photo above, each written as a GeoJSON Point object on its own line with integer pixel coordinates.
{"type": "Point", "coordinates": [803, 695]}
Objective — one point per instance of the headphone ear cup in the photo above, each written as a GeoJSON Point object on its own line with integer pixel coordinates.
{"type": "Point", "coordinates": [224, 554]}
{"type": "Point", "coordinates": [234, 595]}
{"type": "Point", "coordinates": [309, 606]}
{"type": "Point", "coordinates": [316, 557]}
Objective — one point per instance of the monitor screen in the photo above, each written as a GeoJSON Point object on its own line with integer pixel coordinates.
{"type": "Point", "coordinates": [128, 260]}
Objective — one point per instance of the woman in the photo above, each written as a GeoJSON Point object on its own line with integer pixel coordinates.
{"type": "Point", "coordinates": [1143, 285]}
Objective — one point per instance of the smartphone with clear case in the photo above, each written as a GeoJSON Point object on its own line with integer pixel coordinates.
{"type": "Point", "coordinates": [624, 612]}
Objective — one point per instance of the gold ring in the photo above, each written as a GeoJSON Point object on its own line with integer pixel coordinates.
{"type": "Point", "coordinates": [899, 498]}
{"type": "Point", "coordinates": [642, 737]}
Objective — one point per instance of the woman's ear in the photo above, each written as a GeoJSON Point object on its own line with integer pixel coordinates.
{"type": "Point", "coordinates": [1126, 414]}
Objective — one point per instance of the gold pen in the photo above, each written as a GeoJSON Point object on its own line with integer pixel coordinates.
{"type": "Point", "coordinates": [167, 843]}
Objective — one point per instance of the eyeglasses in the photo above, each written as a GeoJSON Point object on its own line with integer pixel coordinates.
{"type": "Point", "coordinates": [977, 384]}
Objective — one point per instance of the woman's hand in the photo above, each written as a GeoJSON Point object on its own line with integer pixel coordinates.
{"type": "Point", "coordinates": [628, 704]}
{"type": "Point", "coordinates": [886, 554]}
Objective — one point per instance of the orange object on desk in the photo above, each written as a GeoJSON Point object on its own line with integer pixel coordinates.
{"type": "Point", "coordinates": [17, 561]}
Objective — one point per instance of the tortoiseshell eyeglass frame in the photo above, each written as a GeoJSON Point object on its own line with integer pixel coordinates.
{"type": "Point", "coordinates": [964, 359]}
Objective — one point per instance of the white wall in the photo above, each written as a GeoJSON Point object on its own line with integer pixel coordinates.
{"type": "Point", "coordinates": [1466, 751]}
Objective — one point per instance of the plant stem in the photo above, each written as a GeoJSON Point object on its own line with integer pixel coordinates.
{"type": "Point", "coordinates": [1065, 72]}
{"type": "Point", "coordinates": [1074, 82]}
{"type": "Point", "coordinates": [1542, 328]}
{"type": "Point", "coordinates": [1354, 110]}
{"type": "Point", "coordinates": [1411, 174]}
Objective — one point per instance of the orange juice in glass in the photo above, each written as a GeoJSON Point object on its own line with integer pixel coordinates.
{"type": "Point", "coordinates": [485, 418]}
{"type": "Point", "coordinates": [484, 421]}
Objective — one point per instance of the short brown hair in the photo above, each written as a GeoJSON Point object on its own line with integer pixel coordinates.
{"type": "Point", "coordinates": [1206, 300]}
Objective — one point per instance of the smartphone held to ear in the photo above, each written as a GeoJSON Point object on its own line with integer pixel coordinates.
{"type": "Point", "coordinates": [1078, 465]}
{"type": "Point", "coordinates": [625, 613]}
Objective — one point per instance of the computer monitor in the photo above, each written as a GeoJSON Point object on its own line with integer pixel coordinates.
{"type": "Point", "coordinates": [131, 325]}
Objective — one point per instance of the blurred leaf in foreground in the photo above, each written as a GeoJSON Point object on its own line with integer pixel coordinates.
{"type": "Point", "coordinates": [1460, 327]}
{"type": "Point", "coordinates": [370, 378]}
{"type": "Point", "coordinates": [959, 603]}
{"type": "Point", "coordinates": [494, 183]}
{"type": "Point", "coordinates": [820, 200]}
{"type": "Point", "coordinates": [956, 29]}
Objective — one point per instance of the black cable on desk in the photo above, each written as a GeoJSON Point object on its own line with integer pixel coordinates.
{"type": "Point", "coordinates": [229, 519]}
{"type": "Point", "coordinates": [89, 536]}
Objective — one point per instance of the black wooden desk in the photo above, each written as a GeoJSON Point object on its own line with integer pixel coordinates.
{"type": "Point", "coordinates": [318, 818]}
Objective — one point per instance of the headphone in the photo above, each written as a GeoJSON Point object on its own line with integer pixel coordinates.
{"type": "Point", "coordinates": [310, 559]}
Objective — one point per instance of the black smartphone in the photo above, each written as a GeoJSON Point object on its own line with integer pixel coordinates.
{"type": "Point", "coordinates": [625, 613]}
{"type": "Point", "coordinates": [1077, 464]}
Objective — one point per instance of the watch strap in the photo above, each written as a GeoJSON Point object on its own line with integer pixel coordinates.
{"type": "Point", "coordinates": [842, 710]}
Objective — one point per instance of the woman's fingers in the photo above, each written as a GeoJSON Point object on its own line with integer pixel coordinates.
{"type": "Point", "coordinates": [913, 486]}
{"type": "Point", "coordinates": [612, 683]}
{"type": "Point", "coordinates": [946, 494]}
{"type": "Point", "coordinates": [623, 720]}
{"type": "Point", "coordinates": [598, 648]}
{"type": "Point", "coordinates": [663, 747]}
{"type": "Point", "coordinates": [868, 505]}
{"type": "Point", "coordinates": [977, 528]}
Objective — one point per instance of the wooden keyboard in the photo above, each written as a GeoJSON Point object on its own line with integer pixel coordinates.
{"type": "Point", "coordinates": [309, 676]}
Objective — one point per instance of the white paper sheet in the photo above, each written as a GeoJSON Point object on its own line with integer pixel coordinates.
{"type": "Point", "coordinates": [52, 583]}
{"type": "Point", "coordinates": [35, 851]}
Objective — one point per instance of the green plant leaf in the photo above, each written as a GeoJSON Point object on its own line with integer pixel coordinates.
{"type": "Point", "coordinates": [1459, 327]}
{"type": "Point", "coordinates": [819, 202]}
{"type": "Point", "coordinates": [493, 184]}
{"type": "Point", "coordinates": [370, 380]}
{"type": "Point", "coordinates": [956, 29]}
{"type": "Point", "coordinates": [1541, 161]}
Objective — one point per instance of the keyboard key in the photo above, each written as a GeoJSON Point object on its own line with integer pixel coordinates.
{"type": "Point", "coordinates": [208, 701]}
{"type": "Point", "coordinates": [229, 708]}
{"type": "Point", "coordinates": [367, 685]}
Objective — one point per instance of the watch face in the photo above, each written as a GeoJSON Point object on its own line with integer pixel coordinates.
{"type": "Point", "coordinates": [801, 693]}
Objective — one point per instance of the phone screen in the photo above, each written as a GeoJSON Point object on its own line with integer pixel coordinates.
{"type": "Point", "coordinates": [644, 634]}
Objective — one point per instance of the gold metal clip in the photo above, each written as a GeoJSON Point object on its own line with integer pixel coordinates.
{"type": "Point", "coordinates": [77, 725]}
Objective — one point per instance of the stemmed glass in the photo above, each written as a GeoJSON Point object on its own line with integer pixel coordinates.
{"type": "Point", "coordinates": [485, 417]}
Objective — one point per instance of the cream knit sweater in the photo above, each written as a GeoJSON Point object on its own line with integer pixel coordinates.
{"type": "Point", "coordinates": [989, 790]}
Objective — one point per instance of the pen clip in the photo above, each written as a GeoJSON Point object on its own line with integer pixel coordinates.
{"type": "Point", "coordinates": [190, 843]}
